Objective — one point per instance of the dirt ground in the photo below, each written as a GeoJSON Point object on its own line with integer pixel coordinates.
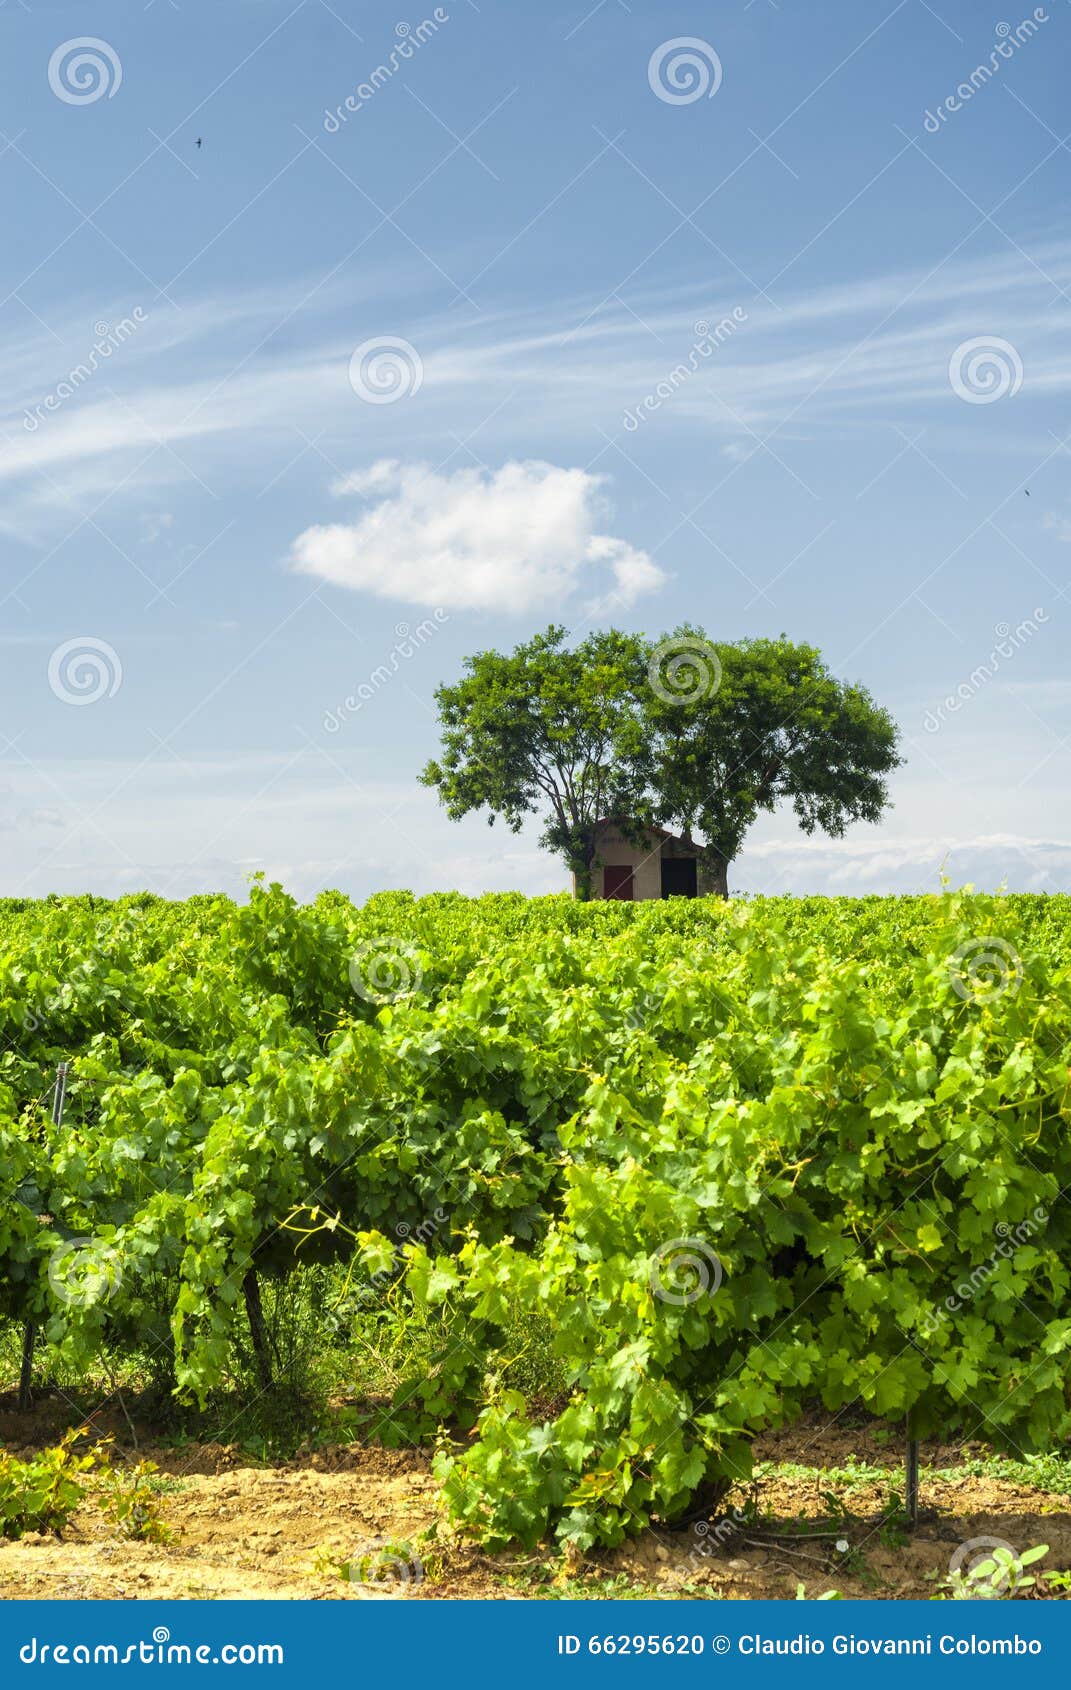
{"type": "Point", "coordinates": [350, 1523]}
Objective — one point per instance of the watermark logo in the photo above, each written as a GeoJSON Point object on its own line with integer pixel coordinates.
{"type": "Point", "coordinates": [684, 1270]}
{"type": "Point", "coordinates": [684, 70]}
{"type": "Point", "coordinates": [985, 369]}
{"type": "Point", "coordinates": [682, 671]}
{"type": "Point", "coordinates": [108, 340]}
{"type": "Point", "coordinates": [986, 1566]}
{"type": "Point", "coordinates": [1012, 1238]}
{"type": "Point", "coordinates": [84, 70]}
{"type": "Point", "coordinates": [109, 936]}
{"type": "Point", "coordinates": [385, 1568]}
{"type": "Point", "coordinates": [1005, 47]}
{"type": "Point", "coordinates": [385, 369]}
{"type": "Point", "coordinates": [982, 970]}
{"type": "Point", "coordinates": [408, 642]}
{"type": "Point", "coordinates": [84, 670]}
{"type": "Point", "coordinates": [157, 1651]}
{"type": "Point", "coordinates": [708, 337]}
{"type": "Point", "coordinates": [84, 1271]}
{"type": "Point", "coordinates": [384, 970]}
{"type": "Point", "coordinates": [1007, 641]}
{"type": "Point", "coordinates": [422, 1234]}
{"type": "Point", "coordinates": [409, 39]}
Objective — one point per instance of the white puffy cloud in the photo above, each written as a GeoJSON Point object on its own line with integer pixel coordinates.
{"type": "Point", "coordinates": [513, 539]}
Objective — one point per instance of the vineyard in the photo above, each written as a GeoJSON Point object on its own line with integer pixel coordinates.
{"type": "Point", "coordinates": [625, 1187]}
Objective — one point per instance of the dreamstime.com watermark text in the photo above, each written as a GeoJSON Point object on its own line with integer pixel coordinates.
{"type": "Point", "coordinates": [408, 642]}
{"type": "Point", "coordinates": [384, 1279]}
{"type": "Point", "coordinates": [1007, 44]}
{"type": "Point", "coordinates": [155, 1651]}
{"type": "Point", "coordinates": [410, 39]}
{"type": "Point", "coordinates": [1012, 1238]}
{"type": "Point", "coordinates": [108, 340]}
{"type": "Point", "coordinates": [1007, 642]}
{"type": "Point", "coordinates": [708, 337]}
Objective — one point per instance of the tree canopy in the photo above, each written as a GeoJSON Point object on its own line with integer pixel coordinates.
{"type": "Point", "coordinates": [739, 728]}
{"type": "Point", "coordinates": [686, 733]}
{"type": "Point", "coordinates": [541, 731]}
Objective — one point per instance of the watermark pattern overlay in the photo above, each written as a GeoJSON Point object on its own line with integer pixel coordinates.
{"type": "Point", "coordinates": [985, 369]}
{"type": "Point", "coordinates": [409, 39]}
{"type": "Point", "coordinates": [1007, 641]}
{"type": "Point", "coordinates": [84, 70]}
{"type": "Point", "coordinates": [385, 1568]}
{"type": "Point", "coordinates": [384, 1278]}
{"type": "Point", "coordinates": [682, 671]}
{"type": "Point", "coordinates": [408, 641]}
{"type": "Point", "coordinates": [683, 1270]}
{"type": "Point", "coordinates": [109, 937]}
{"type": "Point", "coordinates": [708, 337]}
{"type": "Point", "coordinates": [386, 369]}
{"type": "Point", "coordinates": [1007, 44]}
{"type": "Point", "coordinates": [84, 1271]}
{"type": "Point", "coordinates": [1011, 1238]}
{"type": "Point", "coordinates": [597, 281]}
{"type": "Point", "coordinates": [383, 970]}
{"type": "Point", "coordinates": [684, 70]}
{"type": "Point", "coordinates": [988, 1569]}
{"type": "Point", "coordinates": [108, 341]}
{"type": "Point", "coordinates": [84, 670]}
{"type": "Point", "coordinates": [982, 970]}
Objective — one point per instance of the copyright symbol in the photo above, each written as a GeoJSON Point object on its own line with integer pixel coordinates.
{"type": "Point", "coordinates": [720, 1645]}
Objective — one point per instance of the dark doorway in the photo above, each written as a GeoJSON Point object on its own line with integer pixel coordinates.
{"type": "Point", "coordinates": [679, 877]}
{"type": "Point", "coordinates": [617, 882]}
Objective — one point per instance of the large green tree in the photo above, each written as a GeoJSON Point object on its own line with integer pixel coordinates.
{"type": "Point", "coordinates": [687, 733]}
{"type": "Point", "coordinates": [544, 731]}
{"type": "Point", "coordinates": [729, 730]}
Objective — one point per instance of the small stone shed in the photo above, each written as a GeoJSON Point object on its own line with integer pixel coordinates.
{"type": "Point", "coordinates": [662, 867]}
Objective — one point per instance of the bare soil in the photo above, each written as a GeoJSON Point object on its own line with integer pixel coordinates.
{"type": "Point", "coordinates": [350, 1523]}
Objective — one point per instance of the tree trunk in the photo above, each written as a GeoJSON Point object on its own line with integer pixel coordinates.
{"type": "Point", "coordinates": [29, 1337]}
{"type": "Point", "coordinates": [261, 1348]}
{"type": "Point", "coordinates": [718, 870]}
{"type": "Point", "coordinates": [583, 871]}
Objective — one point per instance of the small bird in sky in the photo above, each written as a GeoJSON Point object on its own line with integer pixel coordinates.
{"type": "Point", "coordinates": [1026, 490]}
{"type": "Point", "coordinates": [200, 143]}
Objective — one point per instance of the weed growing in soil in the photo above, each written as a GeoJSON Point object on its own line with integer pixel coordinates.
{"type": "Point", "coordinates": [41, 1495]}
{"type": "Point", "coordinates": [999, 1577]}
{"type": "Point", "coordinates": [131, 1500]}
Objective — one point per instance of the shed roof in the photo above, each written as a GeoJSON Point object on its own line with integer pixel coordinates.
{"type": "Point", "coordinates": [649, 827]}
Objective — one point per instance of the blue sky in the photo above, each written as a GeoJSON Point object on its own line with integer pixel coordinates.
{"type": "Point", "coordinates": [200, 478]}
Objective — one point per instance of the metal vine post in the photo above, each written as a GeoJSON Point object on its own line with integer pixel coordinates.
{"type": "Point", "coordinates": [29, 1336]}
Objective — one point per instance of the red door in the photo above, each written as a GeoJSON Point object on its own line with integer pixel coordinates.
{"type": "Point", "coordinates": [617, 882]}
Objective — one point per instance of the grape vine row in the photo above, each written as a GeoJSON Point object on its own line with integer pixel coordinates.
{"type": "Point", "coordinates": [739, 1157]}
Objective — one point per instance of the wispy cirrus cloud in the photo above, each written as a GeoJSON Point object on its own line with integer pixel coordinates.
{"type": "Point", "coordinates": [234, 380]}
